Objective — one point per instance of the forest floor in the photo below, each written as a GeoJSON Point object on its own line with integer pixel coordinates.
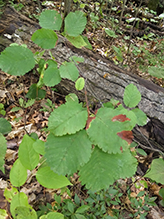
{"type": "Point", "coordinates": [135, 50]}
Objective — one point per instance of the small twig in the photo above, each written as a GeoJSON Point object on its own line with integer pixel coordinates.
{"type": "Point", "coordinates": [152, 149]}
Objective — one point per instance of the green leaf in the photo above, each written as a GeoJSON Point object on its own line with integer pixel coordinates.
{"type": "Point", "coordinates": [14, 109]}
{"type": "Point", "coordinates": [141, 116]}
{"type": "Point", "coordinates": [78, 41]}
{"type": "Point", "coordinates": [22, 212]}
{"type": "Point", "coordinates": [110, 33]}
{"type": "Point", "coordinates": [69, 118]}
{"type": "Point", "coordinates": [107, 128]}
{"type": "Point", "coordinates": [18, 174]}
{"type": "Point", "coordinates": [51, 77]}
{"type": "Point", "coordinates": [82, 209]}
{"type": "Point", "coordinates": [45, 38]}
{"type": "Point", "coordinates": [3, 214]}
{"type": "Point", "coordinates": [79, 216]}
{"type": "Point", "coordinates": [30, 103]}
{"type": "Point", "coordinates": [27, 155]}
{"type": "Point", "coordinates": [75, 23]}
{"type": "Point", "coordinates": [156, 172]}
{"type": "Point", "coordinates": [50, 19]}
{"type": "Point", "coordinates": [52, 215]}
{"type": "Point", "coordinates": [161, 193]}
{"type": "Point", "coordinates": [103, 169]}
{"type": "Point", "coordinates": [80, 83]}
{"type": "Point", "coordinates": [156, 71]}
{"type": "Point", "coordinates": [67, 153]}
{"type": "Point", "coordinates": [88, 45]}
{"type": "Point", "coordinates": [47, 178]}
{"type": "Point", "coordinates": [132, 96]}
{"type": "Point", "coordinates": [69, 70]}
{"type": "Point", "coordinates": [39, 146]}
{"type": "Point", "coordinates": [35, 92]}
{"type": "Point", "coordinates": [72, 97]}
{"type": "Point", "coordinates": [20, 199]}
{"type": "Point", "coordinates": [10, 193]}
{"type": "Point", "coordinates": [3, 148]}
{"type": "Point", "coordinates": [5, 126]}
{"type": "Point", "coordinates": [17, 60]}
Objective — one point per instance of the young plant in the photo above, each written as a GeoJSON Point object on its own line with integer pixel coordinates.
{"type": "Point", "coordinates": [97, 146]}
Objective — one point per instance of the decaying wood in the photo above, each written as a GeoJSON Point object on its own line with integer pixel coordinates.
{"type": "Point", "coordinates": [104, 79]}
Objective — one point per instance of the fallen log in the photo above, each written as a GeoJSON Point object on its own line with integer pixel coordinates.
{"type": "Point", "coordinates": [104, 80]}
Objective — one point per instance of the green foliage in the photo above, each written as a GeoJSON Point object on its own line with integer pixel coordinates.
{"type": "Point", "coordinates": [156, 71]}
{"type": "Point", "coordinates": [17, 60]}
{"type": "Point", "coordinates": [98, 147]}
{"type": "Point", "coordinates": [27, 155]}
{"type": "Point", "coordinates": [61, 123]}
{"type": "Point", "coordinates": [108, 128]}
{"type": "Point", "coordinates": [110, 33]}
{"type": "Point", "coordinates": [103, 169]}
{"type": "Point", "coordinates": [19, 200]}
{"type": "Point", "coordinates": [78, 41]}
{"type": "Point", "coordinates": [131, 96]}
{"type": "Point", "coordinates": [78, 20]}
{"type": "Point", "coordinates": [79, 85]}
{"type": "Point", "coordinates": [45, 38]}
{"type": "Point", "coordinates": [69, 70]}
{"type": "Point", "coordinates": [50, 19]}
{"type": "Point", "coordinates": [2, 111]}
{"type": "Point", "coordinates": [156, 172]}
{"type": "Point", "coordinates": [51, 76]}
{"type": "Point", "coordinates": [18, 174]}
{"type": "Point", "coordinates": [35, 92]}
{"type": "Point", "coordinates": [5, 126]}
{"type": "Point", "coordinates": [51, 180]}
{"type": "Point", "coordinates": [52, 215]}
{"type": "Point", "coordinates": [67, 153]}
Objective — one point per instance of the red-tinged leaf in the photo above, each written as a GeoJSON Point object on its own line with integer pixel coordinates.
{"type": "Point", "coordinates": [120, 118]}
{"type": "Point", "coordinates": [126, 135]}
{"type": "Point", "coordinates": [89, 120]}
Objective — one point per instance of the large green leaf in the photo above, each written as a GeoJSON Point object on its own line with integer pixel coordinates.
{"type": "Point", "coordinates": [3, 148]}
{"type": "Point", "coordinates": [103, 169]}
{"type": "Point", "coordinates": [45, 38]}
{"type": "Point", "coordinates": [20, 199]}
{"type": "Point", "coordinates": [69, 118]}
{"type": "Point", "coordinates": [50, 19]}
{"type": "Point", "coordinates": [157, 171]}
{"type": "Point", "coordinates": [67, 153]}
{"type": "Point", "coordinates": [27, 155]}
{"type": "Point", "coordinates": [47, 178]}
{"type": "Point", "coordinates": [104, 129]}
{"type": "Point", "coordinates": [18, 174]}
{"type": "Point", "coordinates": [17, 60]}
{"type": "Point", "coordinates": [69, 70]}
{"type": "Point", "coordinates": [22, 212]}
{"type": "Point", "coordinates": [75, 23]}
{"type": "Point", "coordinates": [132, 96]}
{"type": "Point", "coordinates": [51, 77]}
{"type": "Point", "coordinates": [5, 126]}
